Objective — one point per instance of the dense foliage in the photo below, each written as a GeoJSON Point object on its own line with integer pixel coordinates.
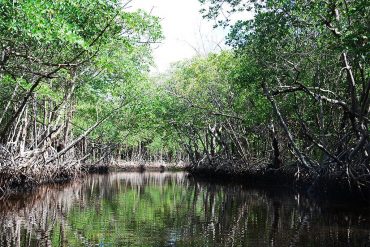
{"type": "Point", "coordinates": [290, 97]}
{"type": "Point", "coordinates": [293, 95]}
{"type": "Point", "coordinates": [66, 67]}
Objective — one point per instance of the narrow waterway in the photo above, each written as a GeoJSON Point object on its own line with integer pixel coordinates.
{"type": "Point", "coordinates": [171, 209]}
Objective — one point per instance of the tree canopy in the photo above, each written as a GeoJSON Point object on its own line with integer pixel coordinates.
{"type": "Point", "coordinates": [291, 95]}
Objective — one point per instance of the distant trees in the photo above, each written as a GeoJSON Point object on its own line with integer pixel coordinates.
{"type": "Point", "coordinates": [218, 121]}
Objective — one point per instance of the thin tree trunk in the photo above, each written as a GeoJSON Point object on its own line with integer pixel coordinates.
{"type": "Point", "coordinates": [285, 127]}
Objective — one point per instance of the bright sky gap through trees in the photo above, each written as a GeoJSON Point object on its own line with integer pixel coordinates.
{"type": "Point", "coordinates": [186, 33]}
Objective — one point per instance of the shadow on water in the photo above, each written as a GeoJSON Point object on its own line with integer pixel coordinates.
{"type": "Point", "coordinates": [171, 209]}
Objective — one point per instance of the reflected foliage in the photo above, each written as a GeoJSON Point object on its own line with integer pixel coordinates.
{"type": "Point", "coordinates": [169, 209]}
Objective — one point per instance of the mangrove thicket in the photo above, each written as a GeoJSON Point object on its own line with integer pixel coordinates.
{"type": "Point", "coordinates": [289, 101]}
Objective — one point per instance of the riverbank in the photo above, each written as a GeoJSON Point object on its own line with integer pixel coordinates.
{"type": "Point", "coordinates": [334, 187]}
{"type": "Point", "coordinates": [15, 179]}
{"type": "Point", "coordinates": [327, 188]}
{"type": "Point", "coordinates": [147, 166]}
{"type": "Point", "coordinates": [21, 179]}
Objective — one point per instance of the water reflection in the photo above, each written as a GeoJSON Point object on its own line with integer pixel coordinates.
{"type": "Point", "coordinates": [169, 209]}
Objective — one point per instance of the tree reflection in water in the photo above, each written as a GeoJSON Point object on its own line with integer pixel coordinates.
{"type": "Point", "coordinates": [170, 209]}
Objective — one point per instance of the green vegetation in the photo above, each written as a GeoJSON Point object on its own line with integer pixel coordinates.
{"type": "Point", "coordinates": [66, 68]}
{"type": "Point", "coordinates": [290, 98]}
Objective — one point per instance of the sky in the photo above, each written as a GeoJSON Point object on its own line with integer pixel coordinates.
{"type": "Point", "coordinates": [186, 33]}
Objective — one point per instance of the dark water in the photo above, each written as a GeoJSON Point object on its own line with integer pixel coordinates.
{"type": "Point", "coordinates": [169, 209]}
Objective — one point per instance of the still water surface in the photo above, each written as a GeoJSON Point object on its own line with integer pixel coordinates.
{"type": "Point", "coordinates": [170, 209]}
